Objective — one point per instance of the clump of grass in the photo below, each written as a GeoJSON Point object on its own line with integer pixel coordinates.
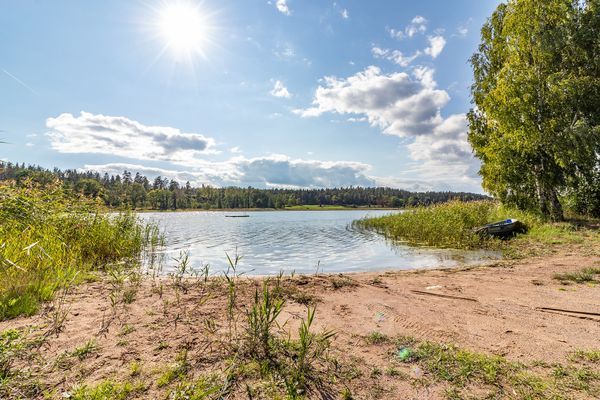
{"type": "Point", "coordinates": [108, 389]}
{"type": "Point", "coordinates": [446, 225]}
{"type": "Point", "coordinates": [49, 240]}
{"type": "Point", "coordinates": [262, 317]}
{"type": "Point", "coordinates": [178, 370]}
{"type": "Point", "coordinates": [584, 276]}
{"type": "Point", "coordinates": [462, 368]}
{"type": "Point", "coordinates": [126, 330]}
{"type": "Point", "coordinates": [342, 281]}
{"type": "Point", "coordinates": [135, 368]}
{"type": "Point", "coordinates": [86, 350]}
{"type": "Point", "coordinates": [199, 389]}
{"type": "Point", "coordinates": [592, 356]}
{"type": "Point", "coordinates": [300, 368]}
{"type": "Point", "coordinates": [376, 337]}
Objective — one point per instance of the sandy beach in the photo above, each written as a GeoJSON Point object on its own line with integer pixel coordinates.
{"type": "Point", "coordinates": [502, 309]}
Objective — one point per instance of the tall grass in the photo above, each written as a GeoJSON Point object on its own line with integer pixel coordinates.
{"type": "Point", "coordinates": [49, 240]}
{"type": "Point", "coordinates": [446, 225]}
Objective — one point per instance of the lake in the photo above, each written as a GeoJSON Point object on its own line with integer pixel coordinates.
{"type": "Point", "coordinates": [300, 241]}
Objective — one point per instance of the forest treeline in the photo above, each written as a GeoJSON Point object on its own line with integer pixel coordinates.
{"type": "Point", "coordinates": [136, 191]}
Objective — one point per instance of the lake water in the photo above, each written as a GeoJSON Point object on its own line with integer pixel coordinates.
{"type": "Point", "coordinates": [300, 241]}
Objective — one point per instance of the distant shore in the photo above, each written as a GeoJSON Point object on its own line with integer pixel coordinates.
{"type": "Point", "coordinates": [295, 208]}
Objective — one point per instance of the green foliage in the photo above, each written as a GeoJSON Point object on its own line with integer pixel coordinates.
{"type": "Point", "coordinates": [586, 275]}
{"type": "Point", "coordinates": [203, 388]}
{"type": "Point", "coordinates": [138, 192]}
{"type": "Point", "coordinates": [86, 350]}
{"type": "Point", "coordinates": [262, 317]}
{"type": "Point", "coordinates": [446, 225]}
{"type": "Point", "coordinates": [592, 356]}
{"type": "Point", "coordinates": [536, 125]}
{"type": "Point", "coordinates": [178, 370]}
{"type": "Point", "coordinates": [108, 390]}
{"type": "Point", "coordinates": [376, 337]}
{"type": "Point", "coordinates": [49, 240]}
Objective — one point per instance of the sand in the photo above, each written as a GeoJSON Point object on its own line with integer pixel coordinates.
{"type": "Point", "coordinates": [495, 309]}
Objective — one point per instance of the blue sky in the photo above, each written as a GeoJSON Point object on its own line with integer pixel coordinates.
{"type": "Point", "coordinates": [264, 93]}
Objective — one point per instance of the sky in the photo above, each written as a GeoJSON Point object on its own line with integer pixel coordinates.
{"type": "Point", "coordinates": [279, 93]}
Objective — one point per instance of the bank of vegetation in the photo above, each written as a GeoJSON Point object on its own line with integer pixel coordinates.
{"type": "Point", "coordinates": [454, 225]}
{"type": "Point", "coordinates": [128, 191]}
{"type": "Point", "coordinates": [50, 239]}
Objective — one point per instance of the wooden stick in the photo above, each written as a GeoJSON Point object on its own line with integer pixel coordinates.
{"type": "Point", "coordinates": [568, 315]}
{"type": "Point", "coordinates": [568, 311]}
{"type": "Point", "coordinates": [446, 296]}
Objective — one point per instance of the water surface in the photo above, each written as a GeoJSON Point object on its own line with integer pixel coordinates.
{"type": "Point", "coordinates": [300, 241]}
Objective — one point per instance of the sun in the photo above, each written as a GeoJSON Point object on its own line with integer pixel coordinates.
{"type": "Point", "coordinates": [185, 28]}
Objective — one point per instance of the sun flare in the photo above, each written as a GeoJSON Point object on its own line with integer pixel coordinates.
{"type": "Point", "coordinates": [185, 28]}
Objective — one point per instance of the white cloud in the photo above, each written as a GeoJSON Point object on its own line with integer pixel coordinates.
{"type": "Point", "coordinates": [120, 136]}
{"type": "Point", "coordinates": [345, 14]}
{"type": "Point", "coordinates": [235, 150]}
{"type": "Point", "coordinates": [395, 56]}
{"type": "Point", "coordinates": [462, 31]}
{"type": "Point", "coordinates": [417, 25]}
{"type": "Point", "coordinates": [396, 103]}
{"type": "Point", "coordinates": [282, 7]}
{"type": "Point", "coordinates": [436, 45]}
{"type": "Point", "coordinates": [269, 171]}
{"type": "Point", "coordinates": [407, 106]}
{"type": "Point", "coordinates": [279, 90]}
{"type": "Point", "coordinates": [29, 144]}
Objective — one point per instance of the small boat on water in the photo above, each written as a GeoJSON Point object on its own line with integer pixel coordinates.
{"type": "Point", "coordinates": [237, 216]}
{"type": "Point", "coordinates": [506, 228]}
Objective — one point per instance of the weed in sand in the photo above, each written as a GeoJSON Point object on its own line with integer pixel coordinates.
{"type": "Point", "coordinates": [107, 390]}
{"type": "Point", "coordinates": [592, 356]}
{"type": "Point", "coordinates": [135, 368]}
{"type": "Point", "coordinates": [162, 345]}
{"type": "Point", "coordinates": [261, 320]}
{"type": "Point", "coordinates": [342, 281]}
{"type": "Point", "coordinates": [126, 330]}
{"type": "Point", "coordinates": [586, 275]}
{"type": "Point", "coordinates": [86, 350]}
{"type": "Point", "coordinates": [307, 351]}
{"type": "Point", "coordinates": [376, 337]}
{"type": "Point", "coordinates": [177, 371]}
{"type": "Point", "coordinates": [346, 394]}
{"type": "Point", "coordinates": [202, 388]}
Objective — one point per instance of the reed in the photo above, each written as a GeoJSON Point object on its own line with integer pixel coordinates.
{"type": "Point", "coordinates": [49, 240]}
{"type": "Point", "coordinates": [446, 225]}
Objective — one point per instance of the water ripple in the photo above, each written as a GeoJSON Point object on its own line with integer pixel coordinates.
{"type": "Point", "coordinates": [298, 240]}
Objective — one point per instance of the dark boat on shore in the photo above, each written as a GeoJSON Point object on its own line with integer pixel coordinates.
{"type": "Point", "coordinates": [506, 228]}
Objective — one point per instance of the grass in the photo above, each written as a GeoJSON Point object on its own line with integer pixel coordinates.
{"type": "Point", "coordinates": [592, 356]}
{"type": "Point", "coordinates": [463, 369]}
{"type": "Point", "coordinates": [109, 390]}
{"type": "Point", "coordinates": [376, 337]}
{"type": "Point", "coordinates": [86, 350]}
{"type": "Point", "coordinates": [178, 370]}
{"type": "Point", "coordinates": [452, 225]}
{"type": "Point", "coordinates": [586, 275]}
{"type": "Point", "coordinates": [50, 240]}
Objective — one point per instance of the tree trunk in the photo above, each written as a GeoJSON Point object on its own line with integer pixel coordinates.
{"type": "Point", "coordinates": [556, 207]}
{"type": "Point", "coordinates": [542, 194]}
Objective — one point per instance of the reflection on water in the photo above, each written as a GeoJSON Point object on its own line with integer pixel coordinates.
{"type": "Point", "coordinates": [271, 241]}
